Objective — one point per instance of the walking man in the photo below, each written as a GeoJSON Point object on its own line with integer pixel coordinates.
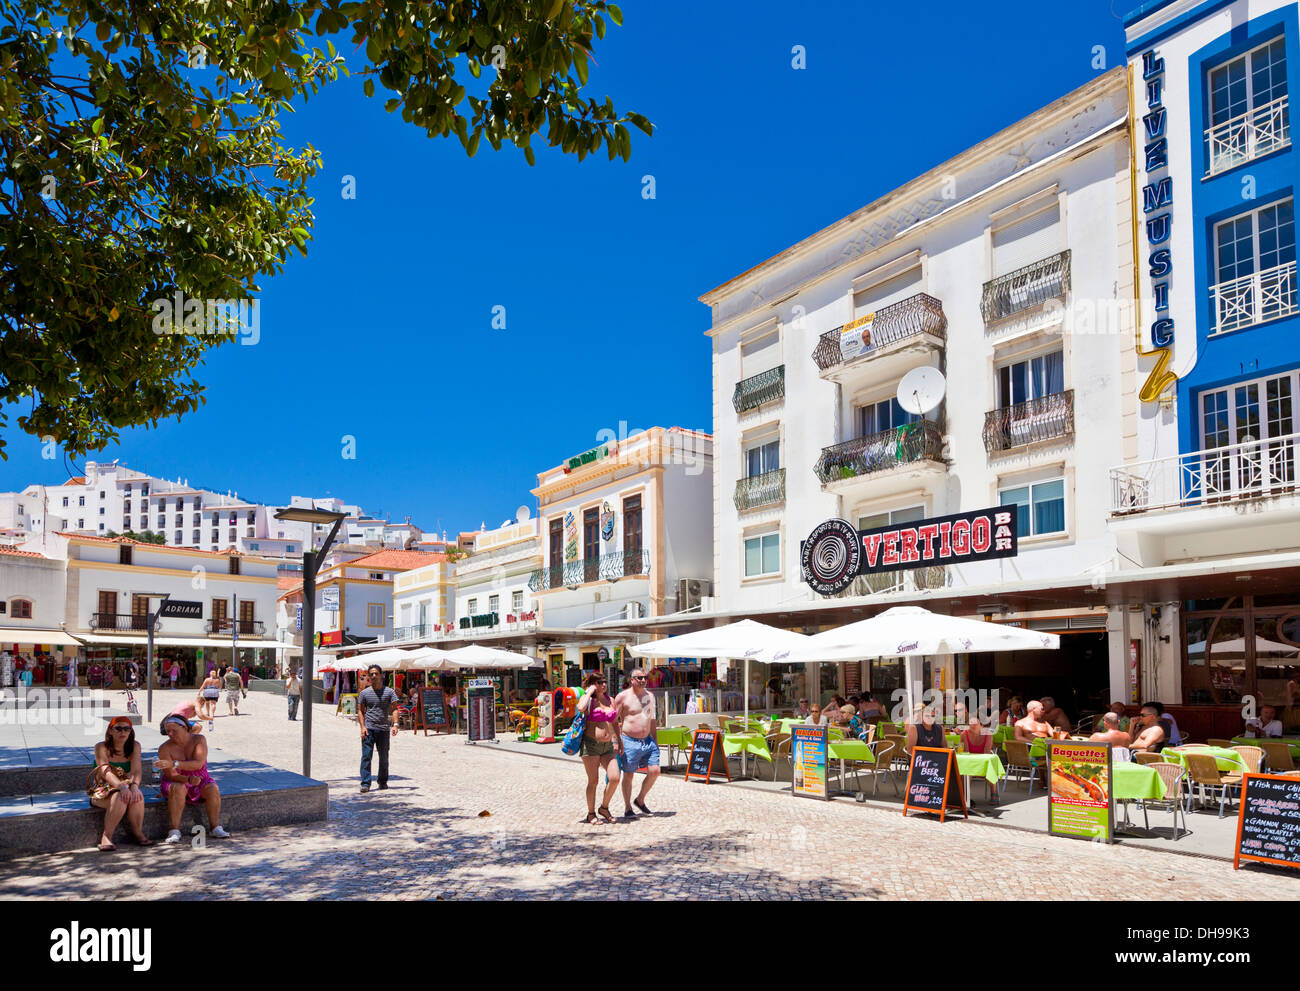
{"type": "Point", "coordinates": [374, 705]}
{"type": "Point", "coordinates": [293, 692]}
{"type": "Point", "coordinates": [233, 689]}
{"type": "Point", "coordinates": [636, 707]}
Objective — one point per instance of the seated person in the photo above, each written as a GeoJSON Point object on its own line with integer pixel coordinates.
{"type": "Point", "coordinates": [975, 739]}
{"type": "Point", "coordinates": [843, 716]}
{"type": "Point", "coordinates": [1033, 726]}
{"type": "Point", "coordinates": [801, 710]}
{"type": "Point", "coordinates": [815, 717]}
{"type": "Point", "coordinates": [923, 730]}
{"type": "Point", "coordinates": [1150, 736]}
{"type": "Point", "coordinates": [1054, 714]}
{"type": "Point", "coordinates": [1173, 736]}
{"type": "Point", "coordinates": [869, 708]}
{"type": "Point", "coordinates": [1015, 710]}
{"type": "Point", "coordinates": [1119, 709]}
{"type": "Point", "coordinates": [1266, 724]}
{"type": "Point", "coordinates": [116, 786]}
{"type": "Point", "coordinates": [183, 759]}
{"type": "Point", "coordinates": [1110, 732]}
{"type": "Point", "coordinates": [859, 727]}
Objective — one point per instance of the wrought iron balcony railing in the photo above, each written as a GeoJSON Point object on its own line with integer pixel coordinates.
{"type": "Point", "coordinates": [417, 632]}
{"type": "Point", "coordinates": [760, 490]}
{"type": "Point", "coordinates": [116, 622]}
{"type": "Point", "coordinates": [1251, 470]}
{"type": "Point", "coordinates": [1026, 287]}
{"type": "Point", "coordinates": [608, 567]}
{"type": "Point", "coordinates": [1255, 298]}
{"type": "Point", "coordinates": [765, 387]}
{"type": "Point", "coordinates": [1046, 418]}
{"type": "Point", "coordinates": [1252, 135]}
{"type": "Point", "coordinates": [911, 317]}
{"type": "Point", "coordinates": [244, 627]}
{"type": "Point", "coordinates": [919, 441]}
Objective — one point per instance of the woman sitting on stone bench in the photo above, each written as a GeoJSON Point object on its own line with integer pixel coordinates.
{"type": "Point", "coordinates": [183, 759]}
{"type": "Point", "coordinates": [115, 783]}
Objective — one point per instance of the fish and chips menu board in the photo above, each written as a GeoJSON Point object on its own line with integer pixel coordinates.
{"type": "Point", "coordinates": [1080, 802]}
{"type": "Point", "coordinates": [808, 747]}
{"type": "Point", "coordinates": [933, 783]}
{"type": "Point", "coordinates": [1268, 820]}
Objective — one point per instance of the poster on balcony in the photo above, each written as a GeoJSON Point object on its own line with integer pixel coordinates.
{"type": "Point", "coordinates": [836, 552]}
{"type": "Point", "coordinates": [855, 337]}
{"type": "Point", "coordinates": [570, 536]}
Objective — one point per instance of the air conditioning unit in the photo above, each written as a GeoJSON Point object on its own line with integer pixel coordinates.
{"type": "Point", "coordinates": [690, 591]}
{"type": "Point", "coordinates": [632, 611]}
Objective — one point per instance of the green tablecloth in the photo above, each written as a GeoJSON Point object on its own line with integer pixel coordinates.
{"type": "Point", "coordinates": [851, 750]}
{"type": "Point", "coordinates": [1002, 734]}
{"type": "Point", "coordinates": [954, 741]}
{"type": "Point", "coordinates": [674, 736]}
{"type": "Point", "coordinates": [1228, 760]}
{"type": "Point", "coordinates": [750, 743]}
{"type": "Point", "coordinates": [1253, 741]}
{"type": "Point", "coordinates": [987, 766]}
{"type": "Point", "coordinates": [1133, 782]}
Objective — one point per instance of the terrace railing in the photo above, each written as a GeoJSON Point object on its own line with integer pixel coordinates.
{"type": "Point", "coordinates": [1026, 287]}
{"type": "Point", "coordinates": [608, 567]}
{"type": "Point", "coordinates": [919, 441]}
{"type": "Point", "coordinates": [760, 490]}
{"type": "Point", "coordinates": [1046, 418]}
{"type": "Point", "coordinates": [765, 387]}
{"type": "Point", "coordinates": [1255, 298]}
{"type": "Point", "coordinates": [1251, 135]}
{"type": "Point", "coordinates": [911, 317]}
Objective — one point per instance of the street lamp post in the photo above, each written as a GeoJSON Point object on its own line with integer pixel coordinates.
{"type": "Point", "coordinates": [310, 564]}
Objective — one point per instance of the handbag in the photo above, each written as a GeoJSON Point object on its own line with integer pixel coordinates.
{"type": "Point", "coordinates": [572, 741]}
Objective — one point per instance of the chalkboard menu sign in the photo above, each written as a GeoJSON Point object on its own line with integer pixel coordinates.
{"type": "Point", "coordinates": [1268, 820]}
{"type": "Point", "coordinates": [480, 707]}
{"type": "Point", "coordinates": [933, 783]}
{"type": "Point", "coordinates": [707, 756]}
{"type": "Point", "coordinates": [432, 711]}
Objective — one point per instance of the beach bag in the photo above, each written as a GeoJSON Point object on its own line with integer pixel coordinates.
{"type": "Point", "coordinates": [572, 741]}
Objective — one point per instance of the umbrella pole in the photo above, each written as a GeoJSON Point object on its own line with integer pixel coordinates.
{"type": "Point", "coordinates": [743, 754]}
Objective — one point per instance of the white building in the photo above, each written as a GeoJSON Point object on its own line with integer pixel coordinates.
{"type": "Point", "coordinates": [33, 588]}
{"type": "Point", "coordinates": [492, 584]}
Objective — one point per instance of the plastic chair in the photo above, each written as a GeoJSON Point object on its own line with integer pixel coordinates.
{"type": "Point", "coordinates": [1147, 758]}
{"type": "Point", "coordinates": [1173, 777]}
{"type": "Point", "coordinates": [1204, 773]}
{"type": "Point", "coordinates": [1278, 754]}
{"type": "Point", "coordinates": [1018, 759]}
{"type": "Point", "coordinates": [1250, 756]}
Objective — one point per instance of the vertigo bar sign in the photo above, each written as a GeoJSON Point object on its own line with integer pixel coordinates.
{"type": "Point", "coordinates": [836, 552]}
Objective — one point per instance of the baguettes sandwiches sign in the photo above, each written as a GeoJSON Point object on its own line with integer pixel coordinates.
{"type": "Point", "coordinates": [836, 552]}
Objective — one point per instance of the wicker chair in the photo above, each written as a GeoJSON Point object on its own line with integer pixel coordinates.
{"type": "Point", "coordinates": [1225, 744]}
{"type": "Point", "coordinates": [1019, 759]}
{"type": "Point", "coordinates": [1174, 777]}
{"type": "Point", "coordinates": [1250, 756]}
{"type": "Point", "coordinates": [780, 745]}
{"type": "Point", "coordinates": [1204, 772]}
{"type": "Point", "coordinates": [899, 757]}
{"type": "Point", "coordinates": [1146, 758]}
{"type": "Point", "coordinates": [883, 751]}
{"type": "Point", "coordinates": [1278, 754]}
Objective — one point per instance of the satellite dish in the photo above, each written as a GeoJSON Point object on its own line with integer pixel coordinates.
{"type": "Point", "coordinates": [523, 514]}
{"type": "Point", "coordinates": [921, 390]}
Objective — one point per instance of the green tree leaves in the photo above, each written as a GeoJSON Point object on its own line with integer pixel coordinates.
{"type": "Point", "coordinates": [146, 171]}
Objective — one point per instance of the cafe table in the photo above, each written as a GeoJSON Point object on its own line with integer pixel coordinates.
{"type": "Point", "coordinates": [844, 750]}
{"type": "Point", "coordinates": [676, 737]}
{"type": "Point", "coordinates": [746, 743]}
{"type": "Point", "coordinates": [1002, 734]}
{"type": "Point", "coordinates": [1134, 783]}
{"type": "Point", "coordinates": [1228, 760]}
{"type": "Point", "coordinates": [1253, 741]}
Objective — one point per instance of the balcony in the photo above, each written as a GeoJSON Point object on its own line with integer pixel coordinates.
{"type": "Point", "coordinates": [1026, 288]}
{"type": "Point", "coordinates": [1047, 418]}
{"type": "Point", "coordinates": [479, 621]}
{"type": "Point", "coordinates": [1252, 135]}
{"type": "Point", "coordinates": [916, 442]}
{"type": "Point", "coordinates": [111, 622]}
{"type": "Point", "coordinates": [417, 632]}
{"type": "Point", "coordinates": [244, 627]}
{"type": "Point", "coordinates": [760, 490]}
{"type": "Point", "coordinates": [765, 387]}
{"type": "Point", "coordinates": [1254, 299]}
{"type": "Point", "coordinates": [910, 319]}
{"type": "Point", "coordinates": [911, 580]}
{"type": "Point", "coordinates": [1221, 475]}
{"type": "Point", "coordinates": [609, 567]}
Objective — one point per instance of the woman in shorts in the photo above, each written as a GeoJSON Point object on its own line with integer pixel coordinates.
{"type": "Point", "coordinates": [209, 695]}
{"type": "Point", "coordinates": [183, 759]}
{"type": "Point", "coordinates": [601, 743]}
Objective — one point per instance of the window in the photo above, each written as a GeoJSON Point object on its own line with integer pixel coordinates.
{"type": "Point", "coordinates": [232, 518]}
{"type": "Point", "coordinates": [178, 538]}
{"type": "Point", "coordinates": [471, 607]}
{"type": "Point", "coordinates": [632, 533]}
{"type": "Point", "coordinates": [763, 458]}
{"type": "Point", "coordinates": [1042, 506]}
{"type": "Point", "coordinates": [875, 418]}
{"type": "Point", "coordinates": [892, 290]}
{"type": "Point", "coordinates": [760, 354]}
{"type": "Point", "coordinates": [144, 523]}
{"type": "Point", "coordinates": [1031, 378]}
{"type": "Point", "coordinates": [1249, 82]}
{"type": "Point", "coordinates": [194, 536]}
{"type": "Point", "coordinates": [232, 535]}
{"type": "Point", "coordinates": [144, 489]}
{"type": "Point", "coordinates": [102, 493]}
{"type": "Point", "coordinates": [218, 614]}
{"type": "Point", "coordinates": [81, 524]}
{"type": "Point", "coordinates": [126, 506]}
{"type": "Point", "coordinates": [516, 602]}
{"type": "Point", "coordinates": [252, 547]}
{"type": "Point", "coordinates": [20, 608]}
{"type": "Point", "coordinates": [250, 532]}
{"type": "Point", "coordinates": [126, 523]}
{"type": "Point", "coordinates": [81, 500]}
{"type": "Point", "coordinates": [65, 502]}
{"type": "Point", "coordinates": [180, 503]}
{"type": "Point", "coordinates": [234, 565]}
{"type": "Point", "coordinates": [288, 548]}
{"type": "Point", "coordinates": [893, 517]}
{"type": "Point", "coordinates": [494, 603]}
{"type": "Point", "coordinates": [591, 544]}
{"type": "Point", "coordinates": [215, 536]}
{"type": "Point", "coordinates": [252, 515]}
{"type": "Point", "coordinates": [763, 555]}
{"type": "Point", "coordinates": [374, 614]}
{"type": "Point", "coordinates": [101, 510]}
{"type": "Point", "coordinates": [196, 520]}
{"type": "Point", "coordinates": [124, 554]}
{"type": "Point", "coordinates": [1258, 410]}
{"type": "Point", "coordinates": [376, 576]}
{"type": "Point", "coordinates": [101, 528]}
{"type": "Point", "coordinates": [1255, 267]}
{"type": "Point", "coordinates": [1027, 239]}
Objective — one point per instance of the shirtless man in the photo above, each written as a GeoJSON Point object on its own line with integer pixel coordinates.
{"type": "Point", "coordinates": [636, 708]}
{"type": "Point", "coordinates": [1054, 714]}
{"type": "Point", "coordinates": [1151, 733]}
{"type": "Point", "coordinates": [1110, 732]}
{"type": "Point", "coordinates": [1033, 726]}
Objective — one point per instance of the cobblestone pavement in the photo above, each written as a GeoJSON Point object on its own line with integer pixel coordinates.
{"type": "Point", "coordinates": [426, 838]}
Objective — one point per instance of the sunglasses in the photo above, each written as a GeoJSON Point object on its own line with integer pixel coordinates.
{"type": "Point", "coordinates": [638, 677]}
{"type": "Point", "coordinates": [121, 729]}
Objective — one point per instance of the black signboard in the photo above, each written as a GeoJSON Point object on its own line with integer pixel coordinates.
{"type": "Point", "coordinates": [432, 711]}
{"type": "Point", "coordinates": [836, 552]}
{"type": "Point", "coordinates": [181, 609]}
{"type": "Point", "coordinates": [1268, 820]}
{"type": "Point", "coordinates": [707, 756]}
{"type": "Point", "coordinates": [933, 783]}
{"type": "Point", "coordinates": [479, 708]}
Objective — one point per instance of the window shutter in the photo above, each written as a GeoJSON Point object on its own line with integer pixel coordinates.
{"type": "Point", "coordinates": [875, 298]}
{"type": "Point", "coordinates": [760, 354]}
{"type": "Point", "coordinates": [1027, 240]}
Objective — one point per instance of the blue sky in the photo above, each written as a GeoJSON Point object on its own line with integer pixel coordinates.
{"type": "Point", "coordinates": [383, 333]}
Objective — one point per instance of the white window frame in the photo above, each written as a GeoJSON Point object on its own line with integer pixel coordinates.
{"type": "Point", "coordinates": [761, 445]}
{"type": "Point", "coordinates": [744, 555]}
{"type": "Point", "coordinates": [1031, 484]}
{"type": "Point", "coordinates": [862, 517]}
{"type": "Point", "coordinates": [1230, 391]}
{"type": "Point", "coordinates": [1026, 359]}
{"type": "Point", "coordinates": [1252, 103]}
{"type": "Point", "coordinates": [517, 601]}
{"type": "Point", "coordinates": [494, 603]}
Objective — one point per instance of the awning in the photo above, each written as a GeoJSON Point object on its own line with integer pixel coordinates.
{"type": "Point", "coordinates": [12, 634]}
{"type": "Point", "coordinates": [106, 640]}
